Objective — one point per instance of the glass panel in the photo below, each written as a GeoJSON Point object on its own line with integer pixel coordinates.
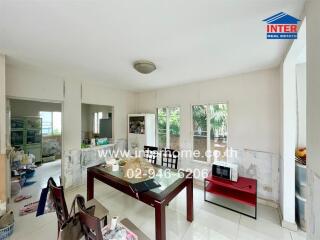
{"type": "Point", "coordinates": [16, 138]}
{"type": "Point", "coordinates": [34, 123]}
{"type": "Point", "coordinates": [17, 123]}
{"type": "Point", "coordinates": [199, 119]}
{"type": "Point", "coordinates": [218, 131]}
{"type": "Point", "coordinates": [46, 123]}
{"type": "Point", "coordinates": [162, 125]}
{"type": "Point", "coordinates": [33, 136]}
{"type": "Point", "coordinates": [136, 125]}
{"type": "Point", "coordinates": [56, 123]}
{"type": "Point", "coordinates": [96, 122]}
{"type": "Point", "coordinates": [174, 121]}
{"type": "Point", "coordinates": [164, 177]}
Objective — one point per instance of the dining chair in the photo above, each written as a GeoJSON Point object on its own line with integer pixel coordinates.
{"type": "Point", "coordinates": [169, 158]}
{"type": "Point", "coordinates": [92, 227]}
{"type": "Point", "coordinates": [90, 224]}
{"type": "Point", "coordinates": [59, 200]}
{"type": "Point", "coordinates": [151, 154]}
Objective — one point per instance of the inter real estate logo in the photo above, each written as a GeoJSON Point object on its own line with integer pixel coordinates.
{"type": "Point", "coordinates": [282, 26]}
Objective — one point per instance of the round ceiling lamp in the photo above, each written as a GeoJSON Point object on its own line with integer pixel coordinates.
{"type": "Point", "coordinates": [144, 66]}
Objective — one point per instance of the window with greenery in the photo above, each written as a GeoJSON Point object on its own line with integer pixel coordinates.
{"type": "Point", "coordinates": [168, 126]}
{"type": "Point", "coordinates": [199, 119]}
{"type": "Point", "coordinates": [51, 123]}
{"type": "Point", "coordinates": [210, 131]}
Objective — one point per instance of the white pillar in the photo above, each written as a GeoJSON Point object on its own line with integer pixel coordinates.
{"type": "Point", "coordinates": [289, 132]}
{"type": "Point", "coordinates": [3, 161]}
{"type": "Point", "coordinates": [72, 115]}
{"type": "Point", "coordinates": [71, 129]}
{"type": "Point", "coordinates": [289, 135]}
{"type": "Point", "coordinates": [2, 104]}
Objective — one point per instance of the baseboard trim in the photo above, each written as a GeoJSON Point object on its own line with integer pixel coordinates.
{"type": "Point", "coordinates": [289, 225]}
{"type": "Point", "coordinates": [268, 203]}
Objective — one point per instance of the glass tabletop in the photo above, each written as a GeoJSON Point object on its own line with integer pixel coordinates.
{"type": "Point", "coordinates": [165, 177]}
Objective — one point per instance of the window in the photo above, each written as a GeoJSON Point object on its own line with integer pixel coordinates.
{"type": "Point", "coordinates": [51, 123]}
{"type": "Point", "coordinates": [168, 126]}
{"type": "Point", "coordinates": [210, 131]}
{"type": "Point", "coordinates": [96, 122]}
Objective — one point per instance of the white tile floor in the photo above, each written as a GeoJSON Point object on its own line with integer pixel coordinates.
{"type": "Point", "coordinates": [210, 222]}
{"type": "Point", "coordinates": [41, 177]}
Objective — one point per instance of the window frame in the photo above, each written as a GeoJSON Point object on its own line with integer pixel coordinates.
{"type": "Point", "coordinates": [96, 122]}
{"type": "Point", "coordinates": [51, 123]}
{"type": "Point", "coordinates": [167, 125]}
{"type": "Point", "coordinates": [208, 159]}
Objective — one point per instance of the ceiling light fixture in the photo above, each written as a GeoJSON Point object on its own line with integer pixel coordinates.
{"type": "Point", "coordinates": [144, 66]}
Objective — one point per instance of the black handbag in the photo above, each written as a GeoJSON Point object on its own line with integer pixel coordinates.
{"type": "Point", "coordinates": [72, 229]}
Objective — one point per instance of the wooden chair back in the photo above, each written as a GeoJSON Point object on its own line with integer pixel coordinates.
{"type": "Point", "coordinates": [57, 194]}
{"type": "Point", "coordinates": [91, 225]}
{"type": "Point", "coordinates": [169, 158]}
{"type": "Point", "coordinates": [151, 154]}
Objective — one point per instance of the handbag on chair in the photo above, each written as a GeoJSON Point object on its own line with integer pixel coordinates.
{"type": "Point", "coordinates": [72, 229]}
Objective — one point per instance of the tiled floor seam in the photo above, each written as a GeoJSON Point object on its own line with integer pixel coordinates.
{"type": "Point", "coordinates": [238, 228]}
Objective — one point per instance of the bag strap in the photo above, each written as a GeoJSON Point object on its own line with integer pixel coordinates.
{"type": "Point", "coordinates": [79, 200]}
{"type": "Point", "coordinates": [44, 197]}
{"type": "Point", "coordinates": [73, 208]}
{"type": "Point", "coordinates": [51, 180]}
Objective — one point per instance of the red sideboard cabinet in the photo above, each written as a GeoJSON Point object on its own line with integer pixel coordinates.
{"type": "Point", "coordinates": [243, 191]}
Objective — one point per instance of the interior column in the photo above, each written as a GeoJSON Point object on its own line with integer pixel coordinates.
{"type": "Point", "coordinates": [3, 165]}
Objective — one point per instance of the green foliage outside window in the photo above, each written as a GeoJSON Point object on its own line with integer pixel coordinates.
{"type": "Point", "coordinates": [218, 121]}
{"type": "Point", "coordinates": [174, 120]}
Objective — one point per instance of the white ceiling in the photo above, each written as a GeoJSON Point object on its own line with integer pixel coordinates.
{"type": "Point", "coordinates": [100, 39]}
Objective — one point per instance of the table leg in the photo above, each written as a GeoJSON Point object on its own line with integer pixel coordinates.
{"type": "Point", "coordinates": [160, 211]}
{"type": "Point", "coordinates": [90, 186]}
{"type": "Point", "coordinates": [190, 200]}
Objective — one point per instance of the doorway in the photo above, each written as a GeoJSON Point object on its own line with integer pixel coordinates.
{"type": "Point", "coordinates": [35, 136]}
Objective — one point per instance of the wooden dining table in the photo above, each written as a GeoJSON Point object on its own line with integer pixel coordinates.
{"type": "Point", "coordinates": [172, 183]}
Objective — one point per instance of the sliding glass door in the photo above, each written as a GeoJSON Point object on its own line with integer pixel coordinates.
{"type": "Point", "coordinates": [162, 127]}
{"type": "Point", "coordinates": [200, 130]}
{"type": "Point", "coordinates": [210, 131]}
{"type": "Point", "coordinates": [218, 130]}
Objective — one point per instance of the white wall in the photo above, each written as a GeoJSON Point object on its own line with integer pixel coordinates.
{"type": "Point", "coordinates": [254, 109]}
{"type": "Point", "coordinates": [302, 104]}
{"type": "Point", "coordinates": [253, 100]}
{"type": "Point", "coordinates": [28, 82]}
{"type": "Point", "coordinates": [313, 85]}
{"type": "Point", "coordinates": [84, 119]}
{"type": "Point", "coordinates": [313, 117]}
{"type": "Point", "coordinates": [123, 103]}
